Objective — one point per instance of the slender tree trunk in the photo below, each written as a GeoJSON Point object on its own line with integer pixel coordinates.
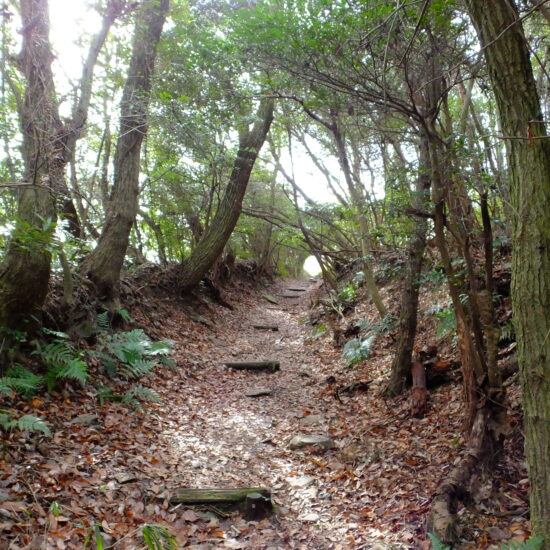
{"type": "Point", "coordinates": [159, 236]}
{"type": "Point", "coordinates": [401, 365]}
{"type": "Point", "coordinates": [104, 264]}
{"type": "Point", "coordinates": [507, 55]}
{"type": "Point", "coordinates": [359, 206]}
{"type": "Point", "coordinates": [216, 236]}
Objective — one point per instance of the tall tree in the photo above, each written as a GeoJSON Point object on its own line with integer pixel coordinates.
{"type": "Point", "coordinates": [104, 264]}
{"type": "Point", "coordinates": [507, 55]}
{"type": "Point", "coordinates": [216, 236]}
{"type": "Point", "coordinates": [48, 143]}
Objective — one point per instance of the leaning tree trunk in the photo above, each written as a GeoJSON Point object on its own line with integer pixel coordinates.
{"type": "Point", "coordinates": [507, 55]}
{"type": "Point", "coordinates": [402, 361]}
{"type": "Point", "coordinates": [104, 264]}
{"type": "Point", "coordinates": [216, 236]}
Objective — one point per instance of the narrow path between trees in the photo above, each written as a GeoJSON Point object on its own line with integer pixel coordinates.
{"type": "Point", "coordinates": [107, 471]}
{"type": "Point", "coordinates": [371, 490]}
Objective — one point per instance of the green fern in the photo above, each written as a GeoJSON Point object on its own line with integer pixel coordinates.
{"type": "Point", "coordinates": [103, 322]}
{"type": "Point", "coordinates": [358, 349]}
{"type": "Point", "coordinates": [20, 380]}
{"type": "Point", "coordinates": [131, 398]}
{"type": "Point", "coordinates": [63, 361]}
{"type": "Point", "coordinates": [132, 355]}
{"type": "Point", "coordinates": [76, 368]}
{"type": "Point", "coordinates": [436, 543]}
{"type": "Point", "coordinates": [141, 393]}
{"type": "Point", "coordinates": [136, 369]}
{"type": "Point", "coordinates": [25, 423]}
{"type": "Point", "coordinates": [167, 362]}
{"type": "Point", "coordinates": [158, 537]}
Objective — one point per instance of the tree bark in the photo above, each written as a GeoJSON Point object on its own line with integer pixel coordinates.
{"type": "Point", "coordinates": [409, 301]}
{"type": "Point", "coordinates": [507, 56]}
{"type": "Point", "coordinates": [48, 144]}
{"type": "Point", "coordinates": [25, 271]}
{"type": "Point", "coordinates": [216, 236]}
{"type": "Point", "coordinates": [104, 264]}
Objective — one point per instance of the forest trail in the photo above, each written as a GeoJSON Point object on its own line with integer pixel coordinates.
{"type": "Point", "coordinates": [109, 470]}
{"type": "Point", "coordinates": [367, 492]}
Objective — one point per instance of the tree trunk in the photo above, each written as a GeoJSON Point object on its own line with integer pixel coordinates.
{"type": "Point", "coordinates": [104, 264]}
{"type": "Point", "coordinates": [48, 144]}
{"type": "Point", "coordinates": [216, 236]}
{"type": "Point", "coordinates": [409, 301]}
{"type": "Point", "coordinates": [25, 271]}
{"type": "Point", "coordinates": [507, 55]}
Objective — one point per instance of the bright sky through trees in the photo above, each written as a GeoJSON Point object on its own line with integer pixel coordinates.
{"type": "Point", "coordinates": [75, 20]}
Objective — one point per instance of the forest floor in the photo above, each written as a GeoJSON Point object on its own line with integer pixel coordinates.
{"type": "Point", "coordinates": [107, 469]}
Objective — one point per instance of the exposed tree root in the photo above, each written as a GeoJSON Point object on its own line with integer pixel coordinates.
{"type": "Point", "coordinates": [459, 485]}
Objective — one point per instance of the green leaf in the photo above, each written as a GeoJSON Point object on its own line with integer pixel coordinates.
{"type": "Point", "coordinates": [436, 543]}
{"type": "Point", "coordinates": [158, 537]}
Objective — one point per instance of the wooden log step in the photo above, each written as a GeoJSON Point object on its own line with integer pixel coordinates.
{"type": "Point", "coordinates": [289, 295]}
{"type": "Point", "coordinates": [213, 496]}
{"type": "Point", "coordinates": [274, 328]}
{"type": "Point", "coordinates": [269, 298]}
{"type": "Point", "coordinates": [257, 366]}
{"type": "Point", "coordinates": [298, 289]}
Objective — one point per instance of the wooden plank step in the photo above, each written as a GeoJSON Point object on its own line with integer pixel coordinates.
{"type": "Point", "coordinates": [274, 328]}
{"type": "Point", "coordinates": [257, 366]}
{"type": "Point", "coordinates": [211, 496]}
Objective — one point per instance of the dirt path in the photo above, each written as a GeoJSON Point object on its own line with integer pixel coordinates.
{"type": "Point", "coordinates": [108, 471]}
{"type": "Point", "coordinates": [221, 438]}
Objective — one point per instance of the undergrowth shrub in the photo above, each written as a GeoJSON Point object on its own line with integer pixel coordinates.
{"type": "Point", "coordinates": [358, 349]}
{"type": "Point", "coordinates": [124, 356]}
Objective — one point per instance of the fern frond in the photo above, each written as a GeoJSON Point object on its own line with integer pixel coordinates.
{"type": "Point", "coordinates": [162, 347]}
{"type": "Point", "coordinates": [103, 322]}
{"type": "Point", "coordinates": [5, 386]}
{"type": "Point", "coordinates": [143, 394]}
{"type": "Point", "coordinates": [158, 537]}
{"type": "Point", "coordinates": [437, 544]}
{"type": "Point", "coordinates": [76, 369]}
{"type": "Point", "coordinates": [167, 362]}
{"type": "Point", "coordinates": [27, 422]}
{"type": "Point", "coordinates": [56, 333]}
{"type": "Point", "coordinates": [137, 369]}
{"type": "Point", "coordinates": [31, 423]}
{"type": "Point", "coordinates": [534, 543]}
{"type": "Point", "coordinates": [57, 352]}
{"type": "Point", "coordinates": [21, 380]}
{"type": "Point", "coordinates": [137, 335]}
{"type": "Point", "coordinates": [6, 423]}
